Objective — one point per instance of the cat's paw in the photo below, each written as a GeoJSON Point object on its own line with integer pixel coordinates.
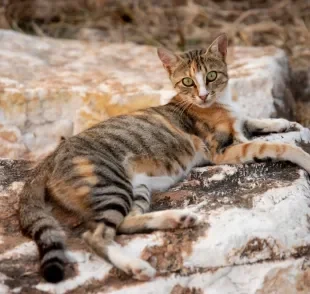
{"type": "Point", "coordinates": [281, 125]}
{"type": "Point", "coordinates": [189, 220]}
{"type": "Point", "coordinates": [184, 219]}
{"type": "Point", "coordinates": [294, 126]}
{"type": "Point", "coordinates": [140, 270]}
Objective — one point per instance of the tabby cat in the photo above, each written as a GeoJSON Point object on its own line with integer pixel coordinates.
{"type": "Point", "coordinates": [106, 174]}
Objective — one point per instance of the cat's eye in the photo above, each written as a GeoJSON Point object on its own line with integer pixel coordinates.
{"type": "Point", "coordinates": [211, 76]}
{"type": "Point", "coordinates": [188, 82]}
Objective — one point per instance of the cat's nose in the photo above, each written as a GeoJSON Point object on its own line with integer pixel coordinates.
{"type": "Point", "coordinates": [203, 97]}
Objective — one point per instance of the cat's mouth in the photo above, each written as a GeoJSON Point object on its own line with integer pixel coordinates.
{"type": "Point", "coordinates": [205, 101]}
{"type": "Point", "coordinates": [204, 98]}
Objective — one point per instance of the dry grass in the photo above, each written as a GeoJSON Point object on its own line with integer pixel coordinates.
{"type": "Point", "coordinates": [177, 24]}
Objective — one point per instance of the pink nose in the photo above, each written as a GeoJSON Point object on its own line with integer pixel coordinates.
{"type": "Point", "coordinates": [203, 97]}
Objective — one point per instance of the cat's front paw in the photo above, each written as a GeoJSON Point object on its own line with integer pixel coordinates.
{"type": "Point", "coordinates": [283, 125]}
{"type": "Point", "coordinates": [294, 126]}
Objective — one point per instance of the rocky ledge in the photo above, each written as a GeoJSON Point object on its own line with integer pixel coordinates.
{"type": "Point", "coordinates": [255, 235]}
{"type": "Point", "coordinates": [51, 88]}
{"type": "Point", "coordinates": [254, 238]}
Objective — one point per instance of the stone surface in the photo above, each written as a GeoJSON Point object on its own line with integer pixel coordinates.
{"type": "Point", "coordinates": [254, 237]}
{"type": "Point", "coordinates": [51, 88]}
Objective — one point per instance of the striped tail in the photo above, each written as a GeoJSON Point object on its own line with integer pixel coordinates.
{"type": "Point", "coordinates": [37, 223]}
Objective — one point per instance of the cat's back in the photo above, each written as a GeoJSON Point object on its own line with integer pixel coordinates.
{"type": "Point", "coordinates": [150, 132]}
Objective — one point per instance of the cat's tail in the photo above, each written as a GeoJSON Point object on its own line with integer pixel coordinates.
{"type": "Point", "coordinates": [38, 223]}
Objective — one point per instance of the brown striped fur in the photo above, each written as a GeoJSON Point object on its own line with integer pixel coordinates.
{"type": "Point", "coordinates": [106, 174]}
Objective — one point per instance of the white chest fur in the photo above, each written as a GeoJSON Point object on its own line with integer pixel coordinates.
{"type": "Point", "coordinates": [236, 113]}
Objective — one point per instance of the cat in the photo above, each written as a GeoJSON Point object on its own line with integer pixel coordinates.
{"type": "Point", "coordinates": [106, 174]}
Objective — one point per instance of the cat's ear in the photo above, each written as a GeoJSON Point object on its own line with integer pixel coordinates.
{"type": "Point", "coordinates": [168, 58]}
{"type": "Point", "coordinates": [219, 46]}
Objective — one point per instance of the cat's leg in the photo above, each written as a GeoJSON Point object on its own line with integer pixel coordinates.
{"type": "Point", "coordinates": [110, 204]}
{"type": "Point", "coordinates": [101, 237]}
{"type": "Point", "coordinates": [101, 241]}
{"type": "Point", "coordinates": [138, 221]}
{"type": "Point", "coordinates": [253, 151]}
{"type": "Point", "coordinates": [141, 200]}
{"type": "Point", "coordinates": [269, 125]}
{"type": "Point", "coordinates": [159, 220]}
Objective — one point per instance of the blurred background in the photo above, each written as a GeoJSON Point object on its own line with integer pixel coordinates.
{"type": "Point", "coordinates": [177, 24]}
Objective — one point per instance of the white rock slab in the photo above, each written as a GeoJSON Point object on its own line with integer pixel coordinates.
{"type": "Point", "coordinates": [254, 239]}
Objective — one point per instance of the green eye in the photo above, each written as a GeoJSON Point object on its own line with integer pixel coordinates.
{"type": "Point", "coordinates": [188, 82]}
{"type": "Point", "coordinates": [211, 76]}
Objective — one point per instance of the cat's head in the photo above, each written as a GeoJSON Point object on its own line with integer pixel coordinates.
{"type": "Point", "coordinates": [199, 76]}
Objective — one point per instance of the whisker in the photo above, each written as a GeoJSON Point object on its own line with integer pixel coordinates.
{"type": "Point", "coordinates": [180, 105]}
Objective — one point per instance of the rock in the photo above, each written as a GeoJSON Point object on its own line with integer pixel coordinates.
{"type": "Point", "coordinates": [60, 87]}
{"type": "Point", "coordinates": [254, 238]}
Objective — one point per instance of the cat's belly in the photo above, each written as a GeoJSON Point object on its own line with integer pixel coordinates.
{"type": "Point", "coordinates": [156, 183]}
{"type": "Point", "coordinates": [162, 183]}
